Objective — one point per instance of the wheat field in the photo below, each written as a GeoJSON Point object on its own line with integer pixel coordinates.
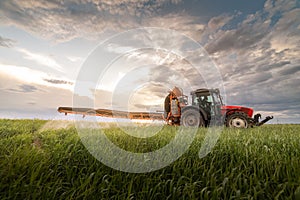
{"type": "Point", "coordinates": [39, 160]}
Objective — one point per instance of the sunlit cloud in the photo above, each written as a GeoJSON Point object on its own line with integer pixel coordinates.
{"type": "Point", "coordinates": [30, 76]}
{"type": "Point", "coordinates": [75, 59]}
{"type": "Point", "coordinates": [44, 60]}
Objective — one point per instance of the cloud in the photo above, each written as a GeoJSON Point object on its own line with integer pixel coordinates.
{"type": "Point", "coordinates": [285, 34]}
{"type": "Point", "coordinates": [64, 21]}
{"type": "Point", "coordinates": [20, 96]}
{"type": "Point", "coordinates": [275, 26]}
{"type": "Point", "coordinates": [41, 59]}
{"type": "Point", "coordinates": [6, 42]}
{"type": "Point", "coordinates": [132, 7]}
{"type": "Point", "coordinates": [237, 39]}
{"type": "Point", "coordinates": [57, 81]}
{"type": "Point", "coordinates": [218, 22]}
{"type": "Point", "coordinates": [259, 59]}
{"type": "Point", "coordinates": [24, 88]}
{"type": "Point", "coordinates": [192, 26]}
{"type": "Point", "coordinates": [279, 64]}
{"type": "Point", "coordinates": [273, 6]}
{"type": "Point", "coordinates": [257, 54]}
{"type": "Point", "coordinates": [41, 103]}
{"type": "Point", "coordinates": [163, 67]}
{"type": "Point", "coordinates": [75, 59]}
{"type": "Point", "coordinates": [30, 76]}
{"type": "Point", "coordinates": [290, 70]}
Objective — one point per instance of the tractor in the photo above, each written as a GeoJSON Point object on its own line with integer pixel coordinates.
{"type": "Point", "coordinates": [207, 109]}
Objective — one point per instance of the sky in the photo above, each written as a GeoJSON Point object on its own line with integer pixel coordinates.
{"type": "Point", "coordinates": [54, 52]}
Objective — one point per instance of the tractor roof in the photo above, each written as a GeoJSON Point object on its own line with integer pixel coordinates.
{"type": "Point", "coordinates": [205, 90]}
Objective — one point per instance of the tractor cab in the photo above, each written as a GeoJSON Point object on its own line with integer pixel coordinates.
{"type": "Point", "coordinates": [209, 102]}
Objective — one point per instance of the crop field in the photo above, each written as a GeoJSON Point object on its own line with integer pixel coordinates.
{"type": "Point", "coordinates": [40, 161]}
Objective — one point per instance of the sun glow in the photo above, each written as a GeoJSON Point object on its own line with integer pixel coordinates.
{"type": "Point", "coordinates": [31, 76]}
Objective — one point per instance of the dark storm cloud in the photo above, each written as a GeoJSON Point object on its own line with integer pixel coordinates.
{"type": "Point", "coordinates": [6, 42]}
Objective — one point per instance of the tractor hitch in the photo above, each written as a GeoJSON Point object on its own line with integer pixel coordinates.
{"type": "Point", "coordinates": [259, 123]}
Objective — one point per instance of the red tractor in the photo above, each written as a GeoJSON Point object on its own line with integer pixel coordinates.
{"type": "Point", "coordinates": [207, 109]}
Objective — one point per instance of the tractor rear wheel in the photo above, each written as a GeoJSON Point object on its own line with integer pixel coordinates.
{"type": "Point", "coordinates": [237, 120]}
{"type": "Point", "coordinates": [191, 118]}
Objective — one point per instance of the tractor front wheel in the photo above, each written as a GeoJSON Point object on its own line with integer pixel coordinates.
{"type": "Point", "coordinates": [237, 120]}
